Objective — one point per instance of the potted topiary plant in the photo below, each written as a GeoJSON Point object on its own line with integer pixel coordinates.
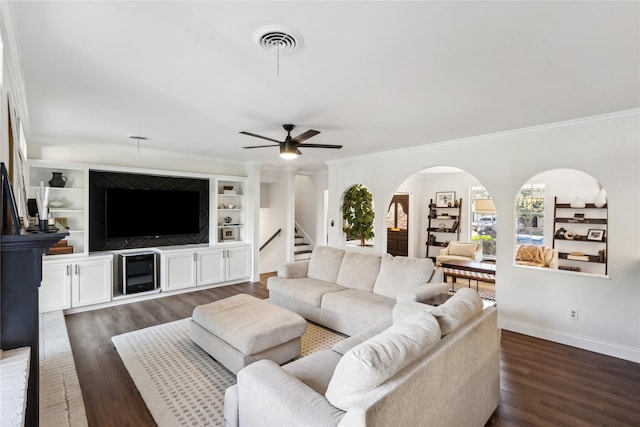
{"type": "Point", "coordinates": [358, 214]}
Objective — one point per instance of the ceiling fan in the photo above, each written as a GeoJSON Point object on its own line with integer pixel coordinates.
{"type": "Point", "coordinates": [289, 147]}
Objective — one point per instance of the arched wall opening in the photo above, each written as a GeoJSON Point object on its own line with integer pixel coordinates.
{"type": "Point", "coordinates": [562, 223]}
{"type": "Point", "coordinates": [433, 224]}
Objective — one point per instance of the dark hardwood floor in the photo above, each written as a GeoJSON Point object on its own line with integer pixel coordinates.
{"type": "Point", "coordinates": [542, 383]}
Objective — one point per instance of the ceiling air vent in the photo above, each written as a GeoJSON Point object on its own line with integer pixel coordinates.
{"type": "Point", "coordinates": [278, 37]}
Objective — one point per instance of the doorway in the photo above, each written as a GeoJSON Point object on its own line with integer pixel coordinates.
{"type": "Point", "coordinates": [398, 225]}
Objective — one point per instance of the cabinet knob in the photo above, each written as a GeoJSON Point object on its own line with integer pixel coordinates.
{"type": "Point", "coordinates": [68, 269]}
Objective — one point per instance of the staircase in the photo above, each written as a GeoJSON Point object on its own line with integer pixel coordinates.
{"type": "Point", "coordinates": [302, 248]}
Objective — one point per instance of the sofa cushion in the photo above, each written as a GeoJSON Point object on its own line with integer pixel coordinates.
{"type": "Point", "coordinates": [325, 263]}
{"type": "Point", "coordinates": [359, 271]}
{"type": "Point", "coordinates": [465, 304]}
{"type": "Point", "coordinates": [401, 274]}
{"type": "Point", "coordinates": [309, 291]}
{"type": "Point", "coordinates": [463, 249]}
{"type": "Point", "coordinates": [371, 308]}
{"type": "Point", "coordinates": [369, 364]}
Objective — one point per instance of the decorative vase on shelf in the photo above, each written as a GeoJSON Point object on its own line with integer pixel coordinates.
{"type": "Point", "coordinates": [577, 203]}
{"type": "Point", "coordinates": [601, 199]}
{"type": "Point", "coordinates": [58, 180]}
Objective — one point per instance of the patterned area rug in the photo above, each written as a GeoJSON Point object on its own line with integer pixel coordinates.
{"type": "Point", "coordinates": [180, 383]}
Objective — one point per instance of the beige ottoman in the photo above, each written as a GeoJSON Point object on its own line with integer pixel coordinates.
{"type": "Point", "coordinates": [242, 329]}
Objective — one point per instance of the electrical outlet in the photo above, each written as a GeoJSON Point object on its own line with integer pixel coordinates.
{"type": "Point", "coordinates": [573, 313]}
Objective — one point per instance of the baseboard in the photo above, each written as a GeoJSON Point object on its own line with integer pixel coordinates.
{"type": "Point", "coordinates": [585, 343]}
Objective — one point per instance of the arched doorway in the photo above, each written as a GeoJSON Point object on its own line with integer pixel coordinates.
{"type": "Point", "coordinates": [398, 225]}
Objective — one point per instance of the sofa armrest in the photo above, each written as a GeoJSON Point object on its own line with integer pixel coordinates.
{"type": "Point", "coordinates": [477, 256]}
{"type": "Point", "coordinates": [402, 310]}
{"type": "Point", "coordinates": [444, 251]}
{"type": "Point", "coordinates": [437, 276]}
{"type": "Point", "coordinates": [423, 292]}
{"type": "Point", "coordinates": [293, 270]}
{"type": "Point", "coordinates": [270, 396]}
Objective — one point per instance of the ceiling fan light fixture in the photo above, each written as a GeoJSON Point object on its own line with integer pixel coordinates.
{"type": "Point", "coordinates": [288, 151]}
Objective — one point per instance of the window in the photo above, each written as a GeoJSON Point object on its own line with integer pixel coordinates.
{"type": "Point", "coordinates": [397, 216]}
{"type": "Point", "coordinates": [483, 221]}
{"type": "Point", "coordinates": [530, 215]}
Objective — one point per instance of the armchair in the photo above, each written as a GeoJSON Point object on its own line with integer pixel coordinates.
{"type": "Point", "coordinates": [461, 251]}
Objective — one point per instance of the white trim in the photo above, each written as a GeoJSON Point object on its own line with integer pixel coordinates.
{"type": "Point", "coordinates": [585, 343]}
{"type": "Point", "coordinates": [520, 131]}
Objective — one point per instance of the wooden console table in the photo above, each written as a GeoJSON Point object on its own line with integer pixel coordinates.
{"type": "Point", "coordinates": [478, 271]}
{"type": "Point", "coordinates": [21, 265]}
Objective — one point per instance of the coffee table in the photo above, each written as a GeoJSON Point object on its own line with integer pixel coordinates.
{"type": "Point", "coordinates": [478, 271]}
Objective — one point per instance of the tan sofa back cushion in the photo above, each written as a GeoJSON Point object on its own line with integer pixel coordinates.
{"type": "Point", "coordinates": [463, 249]}
{"type": "Point", "coordinates": [401, 274]}
{"type": "Point", "coordinates": [371, 363]}
{"type": "Point", "coordinates": [325, 263]}
{"type": "Point", "coordinates": [359, 271]}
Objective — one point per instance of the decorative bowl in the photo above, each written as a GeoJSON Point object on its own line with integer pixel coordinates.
{"type": "Point", "coordinates": [56, 203]}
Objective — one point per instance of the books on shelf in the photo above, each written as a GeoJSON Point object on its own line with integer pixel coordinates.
{"type": "Point", "coordinates": [578, 257]}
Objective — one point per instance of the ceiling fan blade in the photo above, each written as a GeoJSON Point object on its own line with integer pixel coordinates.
{"type": "Point", "coordinates": [319, 146]}
{"type": "Point", "coordinates": [260, 136]}
{"type": "Point", "coordinates": [262, 146]}
{"type": "Point", "coordinates": [305, 135]}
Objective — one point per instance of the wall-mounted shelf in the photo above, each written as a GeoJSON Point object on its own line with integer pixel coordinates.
{"type": "Point", "coordinates": [447, 219]}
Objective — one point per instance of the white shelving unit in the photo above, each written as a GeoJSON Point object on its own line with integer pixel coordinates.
{"type": "Point", "coordinates": [73, 199]}
{"type": "Point", "coordinates": [231, 202]}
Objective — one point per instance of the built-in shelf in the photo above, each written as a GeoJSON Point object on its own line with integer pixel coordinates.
{"type": "Point", "coordinates": [581, 226]}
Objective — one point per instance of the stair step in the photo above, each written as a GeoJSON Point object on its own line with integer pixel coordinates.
{"type": "Point", "coordinates": [304, 251]}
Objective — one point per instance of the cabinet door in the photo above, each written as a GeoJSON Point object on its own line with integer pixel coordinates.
{"type": "Point", "coordinates": [238, 266]}
{"type": "Point", "coordinates": [211, 266]}
{"type": "Point", "coordinates": [55, 289]}
{"type": "Point", "coordinates": [179, 270]}
{"type": "Point", "coordinates": [91, 283]}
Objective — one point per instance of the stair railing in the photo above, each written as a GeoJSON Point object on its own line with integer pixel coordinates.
{"type": "Point", "coordinates": [276, 234]}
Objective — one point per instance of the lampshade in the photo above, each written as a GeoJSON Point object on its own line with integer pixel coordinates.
{"type": "Point", "coordinates": [485, 206]}
{"type": "Point", "coordinates": [288, 151]}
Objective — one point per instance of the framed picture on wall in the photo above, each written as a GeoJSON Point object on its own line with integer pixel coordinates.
{"type": "Point", "coordinates": [445, 199]}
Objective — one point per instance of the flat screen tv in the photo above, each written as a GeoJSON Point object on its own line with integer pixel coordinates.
{"type": "Point", "coordinates": [134, 212]}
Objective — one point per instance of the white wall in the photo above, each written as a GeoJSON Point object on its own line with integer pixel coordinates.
{"type": "Point", "coordinates": [273, 218]}
{"type": "Point", "coordinates": [536, 301]}
{"type": "Point", "coordinates": [309, 201]}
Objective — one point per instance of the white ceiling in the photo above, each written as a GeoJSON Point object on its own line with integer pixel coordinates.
{"type": "Point", "coordinates": [372, 76]}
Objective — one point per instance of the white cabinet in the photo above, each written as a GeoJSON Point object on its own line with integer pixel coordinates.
{"type": "Point", "coordinates": [55, 289]}
{"type": "Point", "coordinates": [91, 282]}
{"type": "Point", "coordinates": [237, 263]}
{"type": "Point", "coordinates": [69, 283]}
{"type": "Point", "coordinates": [178, 270]}
{"type": "Point", "coordinates": [186, 268]}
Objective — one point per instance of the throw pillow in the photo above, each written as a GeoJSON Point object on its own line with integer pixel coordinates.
{"type": "Point", "coordinates": [401, 274]}
{"type": "Point", "coordinates": [359, 271]}
{"type": "Point", "coordinates": [462, 249]}
{"type": "Point", "coordinates": [369, 364]}
{"type": "Point", "coordinates": [465, 304]}
{"type": "Point", "coordinates": [325, 263]}
{"type": "Point", "coordinates": [531, 255]}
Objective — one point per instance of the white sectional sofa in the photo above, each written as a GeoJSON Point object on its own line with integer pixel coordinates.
{"type": "Point", "coordinates": [433, 366]}
{"type": "Point", "coordinates": [352, 291]}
